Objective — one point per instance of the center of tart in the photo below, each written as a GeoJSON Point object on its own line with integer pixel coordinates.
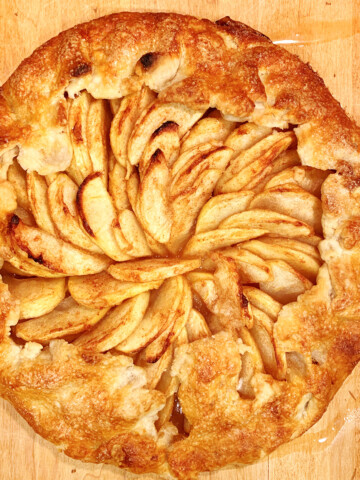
{"type": "Point", "coordinates": [169, 225]}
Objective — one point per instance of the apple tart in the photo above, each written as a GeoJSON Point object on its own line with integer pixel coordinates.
{"type": "Point", "coordinates": [180, 226]}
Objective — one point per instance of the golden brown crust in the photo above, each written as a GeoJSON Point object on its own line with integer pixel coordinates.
{"type": "Point", "coordinates": [239, 71]}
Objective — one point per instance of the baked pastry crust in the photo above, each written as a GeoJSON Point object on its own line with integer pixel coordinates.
{"type": "Point", "coordinates": [231, 67]}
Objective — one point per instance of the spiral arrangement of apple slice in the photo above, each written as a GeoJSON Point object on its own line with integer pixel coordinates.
{"type": "Point", "coordinates": [170, 225]}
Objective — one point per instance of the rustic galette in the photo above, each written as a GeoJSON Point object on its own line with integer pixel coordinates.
{"type": "Point", "coordinates": [180, 235]}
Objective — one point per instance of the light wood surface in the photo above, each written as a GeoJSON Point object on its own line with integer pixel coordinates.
{"type": "Point", "coordinates": [327, 34]}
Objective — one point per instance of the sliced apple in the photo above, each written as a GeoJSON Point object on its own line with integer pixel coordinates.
{"type": "Point", "coordinates": [220, 207]}
{"type": "Point", "coordinates": [17, 177]}
{"type": "Point", "coordinates": [285, 160]}
{"type": "Point", "coordinates": [124, 120]}
{"type": "Point", "coordinates": [294, 244]}
{"type": "Point", "coordinates": [37, 194]}
{"type": "Point", "coordinates": [133, 234]}
{"type": "Point", "coordinates": [153, 205]}
{"type": "Point", "coordinates": [308, 178]}
{"type": "Point", "coordinates": [114, 105]}
{"type": "Point", "coordinates": [216, 158]}
{"type": "Point", "coordinates": [132, 190]}
{"type": "Point", "coordinates": [102, 290]}
{"type": "Point", "coordinates": [53, 253]}
{"type": "Point", "coordinates": [252, 268]}
{"type": "Point", "coordinates": [37, 296]}
{"type": "Point", "coordinates": [202, 243]}
{"type": "Point", "coordinates": [287, 283]}
{"type": "Point", "coordinates": [208, 129]}
{"type": "Point", "coordinates": [272, 222]}
{"type": "Point", "coordinates": [152, 118]}
{"type": "Point", "coordinates": [25, 216]}
{"type": "Point", "coordinates": [117, 187]}
{"type": "Point", "coordinates": [157, 348]}
{"type": "Point", "coordinates": [97, 134]}
{"type": "Point", "coordinates": [301, 262]}
{"type": "Point", "coordinates": [190, 190]}
{"type": "Point", "coordinates": [68, 318]}
{"type": "Point", "coordinates": [290, 199]}
{"type": "Point", "coordinates": [254, 161]}
{"type": "Point", "coordinates": [156, 247]}
{"type": "Point", "coordinates": [116, 326]}
{"type": "Point", "coordinates": [245, 136]}
{"type": "Point", "coordinates": [81, 165]}
{"type": "Point", "coordinates": [98, 216]}
{"type": "Point", "coordinates": [266, 348]}
{"type": "Point", "coordinates": [160, 314]}
{"type": "Point", "coordinates": [165, 413]}
{"type": "Point", "coordinates": [203, 284]}
{"type": "Point", "coordinates": [261, 318]}
{"type": "Point", "coordinates": [189, 157]}
{"type": "Point", "coordinates": [196, 326]}
{"type": "Point", "coordinates": [62, 203]}
{"type": "Point", "coordinates": [166, 139]}
{"type": "Point", "coordinates": [19, 263]}
{"type": "Point", "coordinates": [152, 269]}
{"type": "Point", "coordinates": [263, 301]}
{"type": "Point", "coordinates": [231, 307]}
{"type": "Point", "coordinates": [154, 371]}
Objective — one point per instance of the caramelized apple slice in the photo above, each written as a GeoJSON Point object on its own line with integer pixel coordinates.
{"type": "Point", "coordinates": [190, 189]}
{"type": "Point", "coordinates": [123, 123]}
{"type": "Point", "coordinates": [266, 348]}
{"type": "Point", "coordinates": [19, 263]}
{"type": "Point", "coordinates": [55, 254]}
{"type": "Point", "coordinates": [68, 318]}
{"type": "Point", "coordinates": [98, 216]}
{"type": "Point", "coordinates": [254, 161]}
{"type": "Point", "coordinates": [152, 118]}
{"type": "Point", "coordinates": [102, 290]}
{"type": "Point", "coordinates": [294, 244]}
{"type": "Point", "coordinates": [287, 283]}
{"type": "Point", "coordinates": [208, 129]}
{"type": "Point", "coordinates": [166, 139]}
{"type": "Point", "coordinates": [308, 178]}
{"type": "Point", "coordinates": [301, 262]}
{"type": "Point", "coordinates": [202, 243]}
{"type": "Point", "coordinates": [152, 269]}
{"type": "Point", "coordinates": [37, 296]}
{"type": "Point", "coordinates": [180, 316]}
{"type": "Point", "coordinates": [155, 370]}
{"type": "Point", "coordinates": [17, 177]}
{"type": "Point", "coordinates": [245, 136]}
{"type": "Point", "coordinates": [62, 203]}
{"type": "Point", "coordinates": [272, 222]}
{"type": "Point", "coordinates": [117, 187]}
{"type": "Point", "coordinates": [290, 199]}
{"type": "Point", "coordinates": [153, 204]}
{"type": "Point", "coordinates": [133, 234]}
{"type": "Point", "coordinates": [37, 193]}
{"type": "Point", "coordinates": [116, 326]}
{"type": "Point", "coordinates": [196, 326]}
{"type": "Point", "coordinates": [263, 301]}
{"type": "Point", "coordinates": [81, 165]}
{"type": "Point", "coordinates": [158, 317]}
{"type": "Point", "coordinates": [220, 207]}
{"type": "Point", "coordinates": [252, 268]}
{"type": "Point", "coordinates": [97, 133]}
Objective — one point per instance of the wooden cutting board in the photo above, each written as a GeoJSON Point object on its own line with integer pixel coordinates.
{"type": "Point", "coordinates": [327, 34]}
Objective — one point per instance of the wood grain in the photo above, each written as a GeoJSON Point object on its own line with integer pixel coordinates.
{"type": "Point", "coordinates": [327, 34]}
